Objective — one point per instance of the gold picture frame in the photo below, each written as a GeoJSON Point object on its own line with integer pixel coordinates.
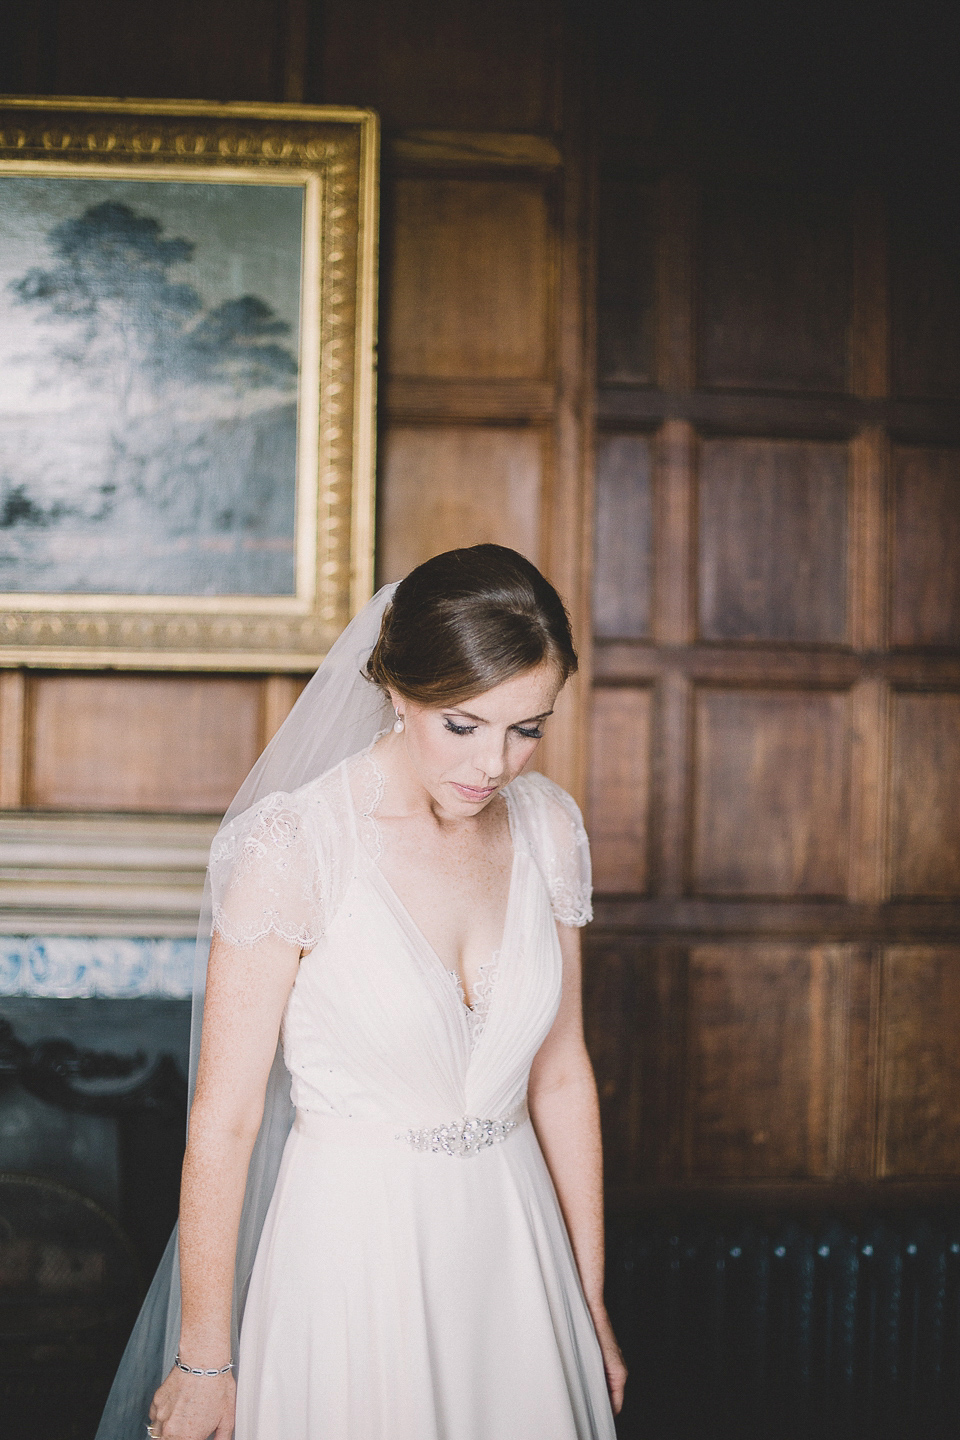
{"type": "Point", "coordinates": [186, 376]}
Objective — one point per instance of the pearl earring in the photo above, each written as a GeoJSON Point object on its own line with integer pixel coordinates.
{"type": "Point", "coordinates": [399, 725]}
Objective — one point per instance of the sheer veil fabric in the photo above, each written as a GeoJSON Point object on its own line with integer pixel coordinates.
{"type": "Point", "coordinates": [339, 713]}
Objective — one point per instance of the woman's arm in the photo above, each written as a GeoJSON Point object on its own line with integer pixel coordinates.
{"type": "Point", "coordinates": [247, 989]}
{"type": "Point", "coordinates": [566, 1115]}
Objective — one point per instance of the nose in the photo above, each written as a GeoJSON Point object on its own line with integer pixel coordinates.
{"type": "Point", "coordinates": [491, 756]}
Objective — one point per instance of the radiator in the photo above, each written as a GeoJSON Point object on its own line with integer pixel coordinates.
{"type": "Point", "coordinates": [830, 1329]}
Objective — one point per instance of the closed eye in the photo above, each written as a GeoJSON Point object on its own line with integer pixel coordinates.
{"type": "Point", "coordinates": [535, 734]}
{"type": "Point", "coordinates": [459, 729]}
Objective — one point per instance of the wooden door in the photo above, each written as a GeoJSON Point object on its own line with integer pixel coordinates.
{"type": "Point", "coordinates": [775, 791]}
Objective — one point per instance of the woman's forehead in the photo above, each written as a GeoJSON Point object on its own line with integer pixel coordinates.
{"type": "Point", "coordinates": [526, 696]}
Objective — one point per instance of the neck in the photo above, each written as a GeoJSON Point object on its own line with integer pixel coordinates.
{"type": "Point", "coordinates": [404, 794]}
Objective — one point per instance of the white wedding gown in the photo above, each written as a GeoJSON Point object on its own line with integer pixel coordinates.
{"type": "Point", "coordinates": [414, 1279]}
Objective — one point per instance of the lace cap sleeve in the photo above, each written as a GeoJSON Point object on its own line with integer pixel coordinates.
{"type": "Point", "coordinates": [560, 846]}
{"type": "Point", "coordinates": [265, 874]}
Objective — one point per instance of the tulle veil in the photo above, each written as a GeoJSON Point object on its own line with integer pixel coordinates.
{"type": "Point", "coordinates": [339, 713]}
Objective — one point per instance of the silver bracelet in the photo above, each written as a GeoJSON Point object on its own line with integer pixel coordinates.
{"type": "Point", "coordinates": [189, 1370]}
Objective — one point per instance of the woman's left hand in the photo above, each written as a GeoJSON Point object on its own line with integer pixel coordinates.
{"type": "Point", "coordinates": [612, 1358]}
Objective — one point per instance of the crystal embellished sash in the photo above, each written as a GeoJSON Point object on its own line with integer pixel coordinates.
{"type": "Point", "coordinates": [467, 1137]}
{"type": "Point", "coordinates": [461, 1138]}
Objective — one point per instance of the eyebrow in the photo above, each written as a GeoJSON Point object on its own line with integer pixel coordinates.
{"type": "Point", "coordinates": [455, 710]}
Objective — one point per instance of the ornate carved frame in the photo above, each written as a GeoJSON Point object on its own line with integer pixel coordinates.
{"type": "Point", "coordinates": [333, 152]}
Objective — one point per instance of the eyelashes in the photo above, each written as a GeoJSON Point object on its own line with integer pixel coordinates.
{"type": "Point", "coordinates": [536, 734]}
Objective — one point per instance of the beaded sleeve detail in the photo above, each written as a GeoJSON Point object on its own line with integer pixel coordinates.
{"type": "Point", "coordinates": [271, 872]}
{"type": "Point", "coordinates": [554, 827]}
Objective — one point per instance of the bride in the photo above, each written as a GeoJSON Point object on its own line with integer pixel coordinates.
{"type": "Point", "coordinates": [403, 916]}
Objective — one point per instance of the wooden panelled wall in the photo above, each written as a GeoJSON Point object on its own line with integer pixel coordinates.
{"type": "Point", "coordinates": [776, 729]}
{"type": "Point", "coordinates": [482, 399]}
{"type": "Point", "coordinates": [774, 976]}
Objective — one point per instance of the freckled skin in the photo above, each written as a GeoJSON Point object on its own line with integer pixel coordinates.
{"type": "Point", "coordinates": [447, 853]}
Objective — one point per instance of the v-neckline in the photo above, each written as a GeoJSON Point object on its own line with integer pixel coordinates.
{"type": "Point", "coordinates": [403, 913]}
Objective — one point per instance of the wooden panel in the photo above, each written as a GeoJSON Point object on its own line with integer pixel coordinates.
{"type": "Point", "coordinates": [445, 486]}
{"type": "Point", "coordinates": [410, 400]}
{"type": "Point", "coordinates": [623, 538]}
{"type": "Point", "coordinates": [920, 1062]}
{"type": "Point", "coordinates": [634, 1014]}
{"type": "Point", "coordinates": [426, 62]}
{"type": "Point", "coordinates": [218, 50]}
{"type": "Point", "coordinates": [762, 1047]}
{"type": "Point", "coordinates": [776, 290]}
{"type": "Point", "coordinates": [470, 280]}
{"type": "Point", "coordinates": [135, 742]}
{"type": "Point", "coordinates": [280, 694]}
{"type": "Point", "coordinates": [473, 150]}
{"type": "Point", "coordinates": [673, 606]}
{"type": "Point", "coordinates": [771, 807]}
{"type": "Point", "coordinates": [676, 283]}
{"type": "Point", "coordinates": [619, 789]}
{"type": "Point", "coordinates": [869, 587]}
{"type": "Point", "coordinates": [925, 798]}
{"type": "Point", "coordinates": [13, 694]}
{"type": "Point", "coordinates": [772, 540]}
{"type": "Point", "coordinates": [926, 547]}
{"type": "Point", "coordinates": [870, 318]}
{"type": "Point", "coordinates": [626, 281]}
{"type": "Point", "coordinates": [925, 284]}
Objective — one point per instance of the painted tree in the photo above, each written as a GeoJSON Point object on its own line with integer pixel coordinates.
{"type": "Point", "coordinates": [126, 331]}
{"type": "Point", "coordinates": [130, 330]}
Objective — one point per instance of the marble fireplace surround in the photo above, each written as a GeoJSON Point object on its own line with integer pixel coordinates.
{"type": "Point", "coordinates": [100, 906]}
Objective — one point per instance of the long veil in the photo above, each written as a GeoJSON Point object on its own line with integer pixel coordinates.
{"type": "Point", "coordinates": [338, 714]}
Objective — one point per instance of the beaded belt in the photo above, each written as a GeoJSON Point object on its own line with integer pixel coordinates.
{"type": "Point", "coordinates": [462, 1138]}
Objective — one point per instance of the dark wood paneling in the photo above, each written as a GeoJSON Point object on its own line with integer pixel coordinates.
{"type": "Point", "coordinates": [810, 920]}
{"type": "Point", "coordinates": [619, 789]}
{"type": "Point", "coordinates": [926, 547]}
{"type": "Point", "coordinates": [827, 417]}
{"type": "Point", "coordinates": [138, 742]}
{"type": "Point", "coordinates": [623, 538]}
{"type": "Point", "coordinates": [626, 295]}
{"type": "Point", "coordinates": [426, 62]}
{"type": "Point", "coordinates": [471, 280]}
{"type": "Point", "coordinates": [919, 1121]}
{"type": "Point", "coordinates": [771, 807]}
{"type": "Point", "coordinates": [220, 50]}
{"type": "Point", "coordinates": [925, 265]}
{"type": "Point", "coordinates": [775, 290]}
{"type": "Point", "coordinates": [639, 663]}
{"type": "Point", "coordinates": [925, 795]}
{"type": "Point", "coordinates": [772, 540]}
{"type": "Point", "coordinates": [761, 1070]}
{"type": "Point", "coordinates": [445, 486]}
{"type": "Point", "coordinates": [634, 1013]}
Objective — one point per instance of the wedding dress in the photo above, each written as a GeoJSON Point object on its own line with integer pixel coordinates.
{"type": "Point", "coordinates": [414, 1279]}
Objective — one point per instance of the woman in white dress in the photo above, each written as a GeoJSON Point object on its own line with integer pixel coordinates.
{"type": "Point", "coordinates": [431, 1262]}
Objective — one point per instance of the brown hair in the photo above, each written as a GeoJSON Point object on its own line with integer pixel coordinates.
{"type": "Point", "coordinates": [465, 621]}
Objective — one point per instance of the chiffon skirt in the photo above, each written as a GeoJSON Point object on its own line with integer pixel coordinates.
{"type": "Point", "coordinates": [400, 1295]}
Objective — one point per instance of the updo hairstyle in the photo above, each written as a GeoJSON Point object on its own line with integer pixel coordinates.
{"type": "Point", "coordinates": [466, 621]}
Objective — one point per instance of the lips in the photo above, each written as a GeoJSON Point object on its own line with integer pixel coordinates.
{"type": "Point", "coordinates": [471, 793]}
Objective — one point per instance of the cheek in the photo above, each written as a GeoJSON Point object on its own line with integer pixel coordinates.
{"type": "Point", "coordinates": [437, 748]}
{"type": "Point", "coordinates": [519, 754]}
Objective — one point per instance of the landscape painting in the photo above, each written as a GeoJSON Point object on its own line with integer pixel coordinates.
{"type": "Point", "coordinates": [149, 366]}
